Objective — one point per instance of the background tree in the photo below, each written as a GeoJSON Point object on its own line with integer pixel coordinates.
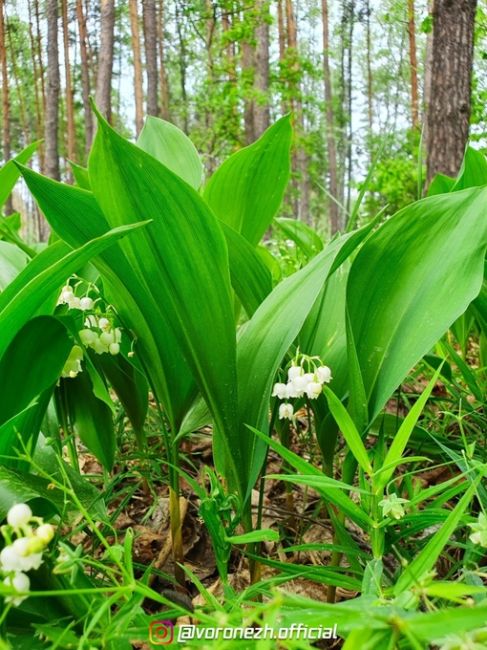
{"type": "Point", "coordinates": [105, 58]}
{"type": "Point", "coordinates": [52, 92]}
{"type": "Point", "coordinates": [450, 93]}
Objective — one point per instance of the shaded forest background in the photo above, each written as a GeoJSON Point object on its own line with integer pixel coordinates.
{"type": "Point", "coordinates": [357, 76]}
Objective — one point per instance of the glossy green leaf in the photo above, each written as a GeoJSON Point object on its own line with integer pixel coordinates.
{"type": "Point", "coordinates": [91, 418]}
{"type": "Point", "coordinates": [9, 173]}
{"type": "Point", "coordinates": [349, 431]}
{"type": "Point", "coordinates": [18, 487]}
{"type": "Point", "coordinates": [473, 172]}
{"type": "Point", "coordinates": [31, 364]}
{"type": "Point", "coordinates": [301, 234]}
{"type": "Point", "coordinates": [411, 280]}
{"type": "Point", "coordinates": [246, 191]}
{"type": "Point", "coordinates": [182, 256]}
{"type": "Point", "coordinates": [172, 147]}
{"type": "Point", "coordinates": [127, 289]}
{"type": "Point", "coordinates": [27, 294]}
{"type": "Point", "coordinates": [251, 279]}
{"type": "Point", "coordinates": [270, 332]}
{"type": "Point", "coordinates": [12, 261]}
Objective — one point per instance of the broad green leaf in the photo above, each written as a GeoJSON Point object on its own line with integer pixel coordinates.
{"type": "Point", "coordinates": [410, 281]}
{"type": "Point", "coordinates": [303, 235]}
{"type": "Point", "coordinates": [131, 388]}
{"type": "Point", "coordinates": [426, 559]}
{"type": "Point", "coordinates": [9, 173]}
{"type": "Point", "coordinates": [31, 364]}
{"type": "Point", "coordinates": [349, 431]}
{"type": "Point", "coordinates": [18, 487]}
{"type": "Point", "coordinates": [90, 417]}
{"type": "Point", "coordinates": [271, 331]}
{"type": "Point", "coordinates": [440, 184]}
{"type": "Point", "coordinates": [250, 277]}
{"type": "Point", "coordinates": [182, 256]}
{"type": "Point", "coordinates": [12, 261]}
{"type": "Point", "coordinates": [28, 293]}
{"type": "Point", "coordinates": [246, 191]}
{"type": "Point", "coordinates": [172, 147]}
{"type": "Point", "coordinates": [81, 176]}
{"type": "Point", "coordinates": [473, 172]}
{"type": "Point", "coordinates": [127, 289]}
{"type": "Point", "coordinates": [404, 432]}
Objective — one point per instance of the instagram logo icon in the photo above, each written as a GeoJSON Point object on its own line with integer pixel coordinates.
{"type": "Point", "coordinates": [161, 632]}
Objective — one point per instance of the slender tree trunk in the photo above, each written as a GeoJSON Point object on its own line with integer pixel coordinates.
{"type": "Point", "coordinates": [370, 90]}
{"type": "Point", "coordinates": [71, 131]}
{"type": "Point", "coordinates": [37, 97]}
{"type": "Point", "coordinates": [182, 65]}
{"type": "Point", "coordinates": [282, 37]}
{"type": "Point", "coordinates": [5, 97]}
{"type": "Point", "coordinates": [261, 79]}
{"type": "Point", "coordinates": [13, 50]}
{"type": "Point", "coordinates": [85, 74]}
{"type": "Point", "coordinates": [451, 76]}
{"type": "Point", "coordinates": [150, 38]}
{"type": "Point", "coordinates": [351, 25]}
{"type": "Point", "coordinates": [333, 209]}
{"type": "Point", "coordinates": [163, 78]}
{"type": "Point", "coordinates": [413, 65]}
{"type": "Point", "coordinates": [52, 94]}
{"type": "Point", "coordinates": [105, 59]}
{"type": "Point", "coordinates": [138, 90]}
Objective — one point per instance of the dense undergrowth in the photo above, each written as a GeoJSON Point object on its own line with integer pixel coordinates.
{"type": "Point", "coordinates": [254, 432]}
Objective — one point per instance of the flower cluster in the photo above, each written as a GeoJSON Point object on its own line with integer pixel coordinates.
{"type": "Point", "coordinates": [305, 377]}
{"type": "Point", "coordinates": [479, 531]}
{"type": "Point", "coordinates": [100, 335]}
{"type": "Point", "coordinates": [23, 551]}
{"type": "Point", "coordinates": [393, 506]}
{"type": "Point", "coordinates": [99, 332]}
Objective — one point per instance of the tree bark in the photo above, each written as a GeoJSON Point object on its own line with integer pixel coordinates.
{"type": "Point", "coordinates": [85, 74]}
{"type": "Point", "coordinates": [51, 122]}
{"type": "Point", "coordinates": [413, 65]}
{"type": "Point", "coordinates": [163, 78]}
{"type": "Point", "coordinates": [5, 96]}
{"type": "Point", "coordinates": [105, 59]}
{"type": "Point", "coordinates": [451, 76]}
{"type": "Point", "coordinates": [261, 79]}
{"type": "Point", "coordinates": [333, 210]}
{"type": "Point", "coordinates": [138, 89]}
{"type": "Point", "coordinates": [37, 97]}
{"type": "Point", "coordinates": [71, 132]}
{"type": "Point", "coordinates": [150, 44]}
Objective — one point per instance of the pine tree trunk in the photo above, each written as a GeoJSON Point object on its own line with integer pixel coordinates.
{"type": "Point", "coordinates": [105, 59]}
{"type": "Point", "coordinates": [333, 209]}
{"type": "Point", "coordinates": [182, 65]}
{"type": "Point", "coordinates": [163, 78]}
{"type": "Point", "coordinates": [37, 96]}
{"type": "Point", "coordinates": [150, 37]}
{"type": "Point", "coordinates": [370, 86]}
{"type": "Point", "coordinates": [138, 89]}
{"type": "Point", "coordinates": [85, 74]}
{"type": "Point", "coordinates": [261, 79]}
{"type": "Point", "coordinates": [51, 122]}
{"type": "Point", "coordinates": [71, 132]}
{"type": "Point", "coordinates": [5, 97]}
{"type": "Point", "coordinates": [451, 76]}
{"type": "Point", "coordinates": [413, 65]}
